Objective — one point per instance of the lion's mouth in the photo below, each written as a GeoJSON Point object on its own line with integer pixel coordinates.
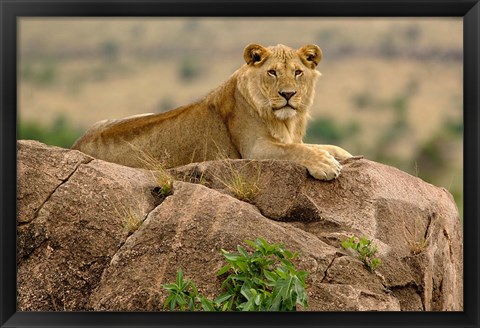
{"type": "Point", "coordinates": [287, 106]}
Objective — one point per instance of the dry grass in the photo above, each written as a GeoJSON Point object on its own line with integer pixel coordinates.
{"type": "Point", "coordinates": [132, 221]}
{"type": "Point", "coordinates": [195, 177]}
{"type": "Point", "coordinates": [129, 207]}
{"type": "Point", "coordinates": [243, 183]}
{"type": "Point", "coordinates": [418, 239]}
{"type": "Point", "coordinates": [161, 176]}
{"type": "Point", "coordinates": [130, 216]}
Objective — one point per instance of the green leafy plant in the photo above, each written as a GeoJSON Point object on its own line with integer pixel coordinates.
{"type": "Point", "coordinates": [184, 296]}
{"type": "Point", "coordinates": [264, 280]}
{"type": "Point", "coordinates": [365, 251]}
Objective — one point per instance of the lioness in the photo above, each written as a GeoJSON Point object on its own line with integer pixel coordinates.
{"type": "Point", "coordinates": [260, 112]}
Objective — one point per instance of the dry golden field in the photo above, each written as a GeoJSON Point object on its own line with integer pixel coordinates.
{"type": "Point", "coordinates": [392, 89]}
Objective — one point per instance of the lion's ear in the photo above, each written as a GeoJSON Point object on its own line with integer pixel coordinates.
{"type": "Point", "coordinates": [311, 55]}
{"type": "Point", "coordinates": [254, 54]}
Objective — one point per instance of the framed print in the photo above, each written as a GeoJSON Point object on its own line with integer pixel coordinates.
{"type": "Point", "coordinates": [223, 163]}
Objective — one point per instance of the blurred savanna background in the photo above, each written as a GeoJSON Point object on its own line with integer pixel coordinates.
{"type": "Point", "coordinates": [391, 88]}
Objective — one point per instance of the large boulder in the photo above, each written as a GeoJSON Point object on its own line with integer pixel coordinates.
{"type": "Point", "coordinates": [77, 248]}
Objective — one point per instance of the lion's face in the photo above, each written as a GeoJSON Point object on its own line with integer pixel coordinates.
{"type": "Point", "coordinates": [280, 80]}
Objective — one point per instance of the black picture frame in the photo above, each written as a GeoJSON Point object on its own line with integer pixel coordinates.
{"type": "Point", "coordinates": [11, 10]}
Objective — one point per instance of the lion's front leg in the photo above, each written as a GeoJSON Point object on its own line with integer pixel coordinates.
{"type": "Point", "coordinates": [337, 152]}
{"type": "Point", "coordinates": [319, 162]}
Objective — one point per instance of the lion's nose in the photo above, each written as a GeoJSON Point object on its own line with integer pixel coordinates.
{"type": "Point", "coordinates": [287, 94]}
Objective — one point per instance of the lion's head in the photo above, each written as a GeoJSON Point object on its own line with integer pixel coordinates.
{"type": "Point", "coordinates": [280, 81]}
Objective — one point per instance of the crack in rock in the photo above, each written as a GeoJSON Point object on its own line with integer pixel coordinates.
{"type": "Point", "coordinates": [325, 273]}
{"type": "Point", "coordinates": [63, 181]}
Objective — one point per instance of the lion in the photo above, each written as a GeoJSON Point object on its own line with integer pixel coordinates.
{"type": "Point", "coordinates": [260, 112]}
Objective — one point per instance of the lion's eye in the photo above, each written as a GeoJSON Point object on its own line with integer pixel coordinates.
{"type": "Point", "coordinates": [298, 72]}
{"type": "Point", "coordinates": [272, 72]}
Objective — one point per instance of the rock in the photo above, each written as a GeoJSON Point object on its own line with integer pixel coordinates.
{"type": "Point", "coordinates": [64, 246]}
{"type": "Point", "coordinates": [41, 170]}
{"type": "Point", "coordinates": [187, 231]}
{"type": "Point", "coordinates": [75, 253]}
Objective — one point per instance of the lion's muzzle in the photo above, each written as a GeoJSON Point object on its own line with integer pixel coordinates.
{"type": "Point", "coordinates": [287, 94]}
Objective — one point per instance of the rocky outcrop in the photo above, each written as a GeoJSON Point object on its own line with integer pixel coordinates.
{"type": "Point", "coordinates": [76, 250]}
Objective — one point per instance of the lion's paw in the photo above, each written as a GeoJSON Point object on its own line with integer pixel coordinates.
{"type": "Point", "coordinates": [326, 167]}
{"type": "Point", "coordinates": [335, 151]}
{"type": "Point", "coordinates": [339, 153]}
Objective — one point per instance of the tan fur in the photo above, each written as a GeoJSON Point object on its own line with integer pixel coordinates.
{"type": "Point", "coordinates": [246, 117]}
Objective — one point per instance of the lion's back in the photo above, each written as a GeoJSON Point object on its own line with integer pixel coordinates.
{"type": "Point", "coordinates": [187, 134]}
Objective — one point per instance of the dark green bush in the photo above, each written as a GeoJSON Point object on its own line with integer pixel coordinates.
{"type": "Point", "coordinates": [60, 133]}
{"type": "Point", "coordinates": [324, 130]}
{"type": "Point", "coordinates": [110, 50]}
{"type": "Point", "coordinates": [189, 69]}
{"type": "Point", "coordinates": [265, 280]}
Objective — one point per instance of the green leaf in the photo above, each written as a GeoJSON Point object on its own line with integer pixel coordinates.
{"type": "Point", "coordinates": [241, 265]}
{"type": "Point", "coordinates": [243, 252]}
{"type": "Point", "coordinates": [302, 275]}
{"type": "Point", "coordinates": [224, 269]}
{"type": "Point", "coordinates": [172, 303]}
{"type": "Point", "coordinates": [194, 289]}
{"type": "Point", "coordinates": [349, 243]}
{"type": "Point", "coordinates": [168, 301]}
{"type": "Point", "coordinates": [299, 288]}
{"type": "Point", "coordinates": [171, 287]}
{"type": "Point", "coordinates": [231, 257]}
{"type": "Point", "coordinates": [258, 299]}
{"type": "Point", "coordinates": [364, 241]}
{"type": "Point", "coordinates": [222, 298]}
{"type": "Point", "coordinates": [229, 305]}
{"type": "Point", "coordinates": [263, 246]}
{"type": "Point", "coordinates": [251, 243]}
{"type": "Point", "coordinates": [207, 304]}
{"type": "Point", "coordinates": [275, 304]}
{"type": "Point", "coordinates": [288, 254]}
{"type": "Point", "coordinates": [259, 283]}
{"type": "Point", "coordinates": [271, 276]}
{"type": "Point", "coordinates": [180, 300]}
{"type": "Point", "coordinates": [191, 304]}
{"type": "Point", "coordinates": [180, 278]}
{"type": "Point", "coordinates": [246, 292]}
{"type": "Point", "coordinates": [283, 286]}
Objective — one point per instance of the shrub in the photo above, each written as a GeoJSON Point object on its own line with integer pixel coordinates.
{"type": "Point", "coordinates": [364, 250]}
{"type": "Point", "coordinates": [325, 130]}
{"type": "Point", "coordinates": [60, 133]}
{"type": "Point", "coordinates": [189, 69]}
{"type": "Point", "coordinates": [265, 280]}
{"type": "Point", "coordinates": [110, 50]}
